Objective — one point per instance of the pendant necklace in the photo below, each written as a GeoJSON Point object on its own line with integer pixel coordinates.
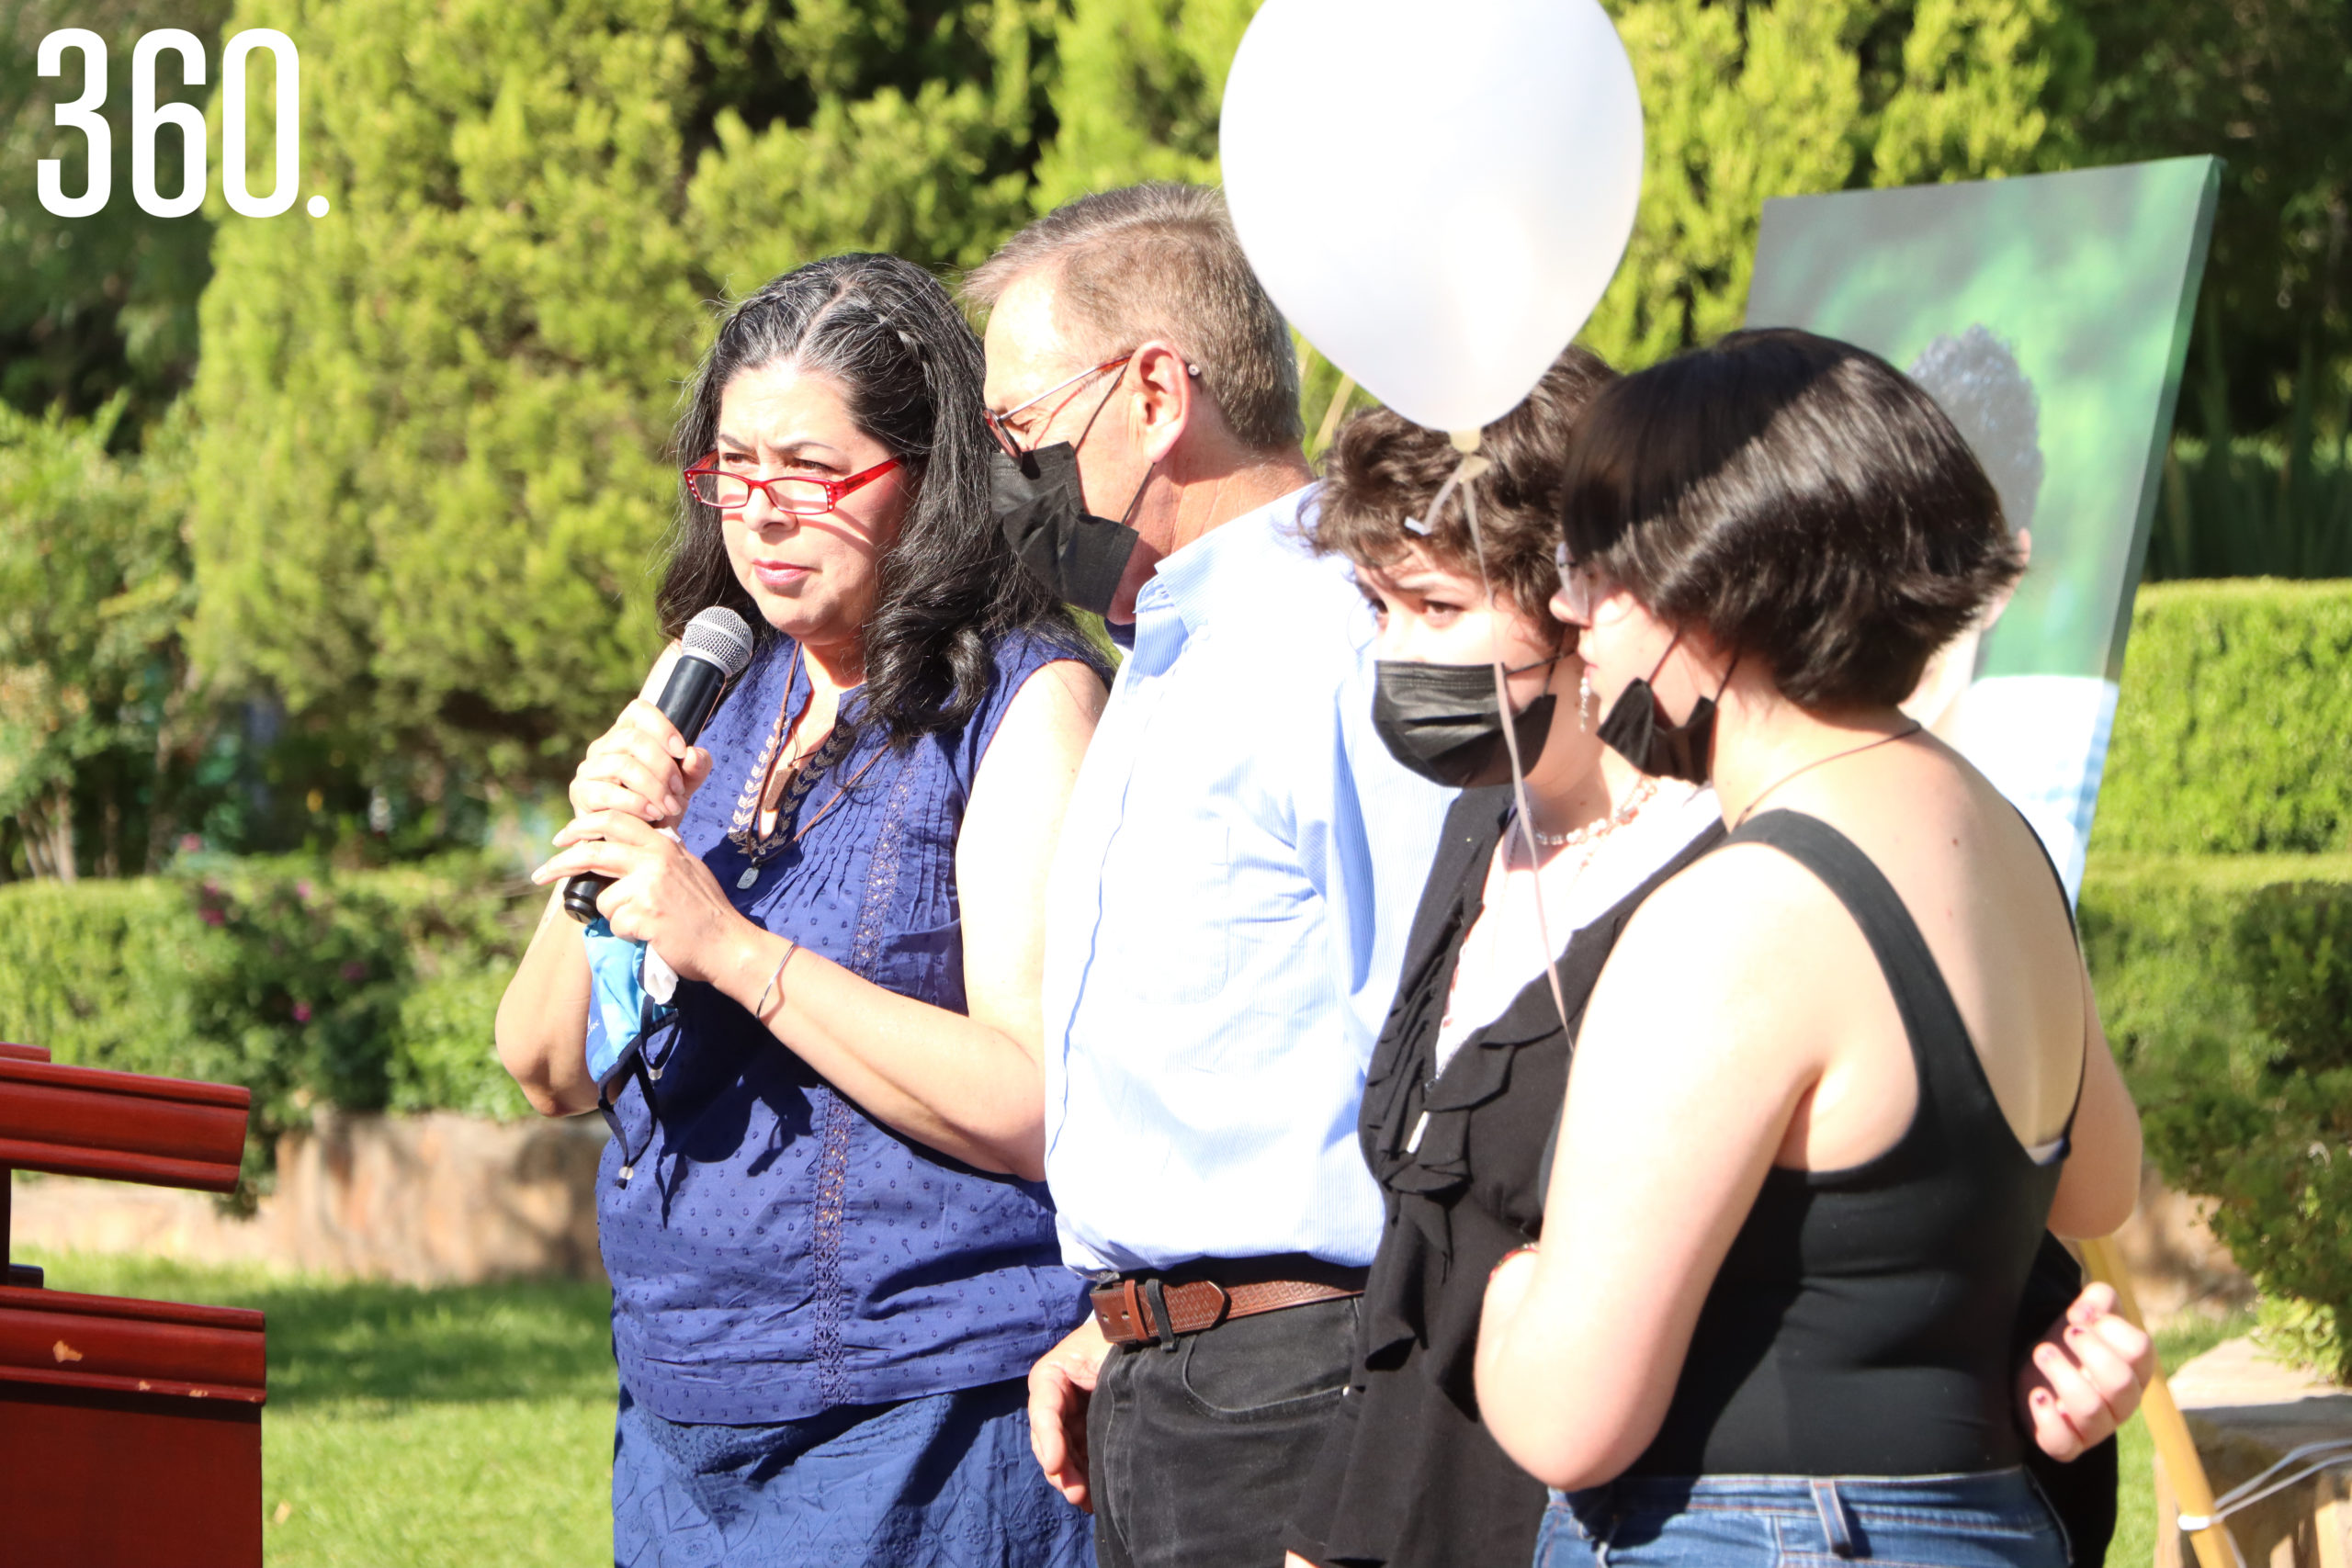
{"type": "Point", "coordinates": [1905, 733]}
{"type": "Point", "coordinates": [744, 832]}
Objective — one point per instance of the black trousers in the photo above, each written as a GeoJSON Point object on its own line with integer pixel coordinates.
{"type": "Point", "coordinates": [1195, 1451]}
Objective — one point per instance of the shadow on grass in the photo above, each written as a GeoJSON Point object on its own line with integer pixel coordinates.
{"type": "Point", "coordinates": [347, 1339]}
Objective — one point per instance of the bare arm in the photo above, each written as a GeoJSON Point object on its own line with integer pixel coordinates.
{"type": "Point", "coordinates": [1673, 1116]}
{"type": "Point", "coordinates": [542, 1026]}
{"type": "Point", "coordinates": [640, 768]}
{"type": "Point", "coordinates": [971, 1085]}
{"type": "Point", "coordinates": [2101, 1182]}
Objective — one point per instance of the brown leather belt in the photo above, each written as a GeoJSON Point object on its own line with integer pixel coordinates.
{"type": "Point", "coordinates": [1146, 1309]}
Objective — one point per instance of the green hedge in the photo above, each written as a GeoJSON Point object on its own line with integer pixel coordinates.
{"type": "Point", "coordinates": [368, 990]}
{"type": "Point", "coordinates": [2225, 983]}
{"type": "Point", "coordinates": [2234, 733]}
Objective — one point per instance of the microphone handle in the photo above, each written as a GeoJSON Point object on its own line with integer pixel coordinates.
{"type": "Point", "coordinates": [687, 702]}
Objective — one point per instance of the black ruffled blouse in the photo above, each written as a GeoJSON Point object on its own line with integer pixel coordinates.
{"type": "Point", "coordinates": [1409, 1477]}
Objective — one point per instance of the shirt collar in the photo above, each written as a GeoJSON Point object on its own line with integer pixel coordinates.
{"type": "Point", "coordinates": [1187, 581]}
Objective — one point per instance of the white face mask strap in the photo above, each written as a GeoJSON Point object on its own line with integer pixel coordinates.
{"type": "Point", "coordinates": [1472, 466]}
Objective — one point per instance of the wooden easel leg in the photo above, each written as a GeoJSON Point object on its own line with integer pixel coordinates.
{"type": "Point", "coordinates": [2176, 1450]}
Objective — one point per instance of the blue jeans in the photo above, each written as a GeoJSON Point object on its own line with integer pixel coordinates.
{"type": "Point", "coordinates": [945, 1480]}
{"type": "Point", "coordinates": [1992, 1520]}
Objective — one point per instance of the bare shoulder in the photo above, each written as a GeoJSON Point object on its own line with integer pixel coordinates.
{"type": "Point", "coordinates": [1719, 978]}
{"type": "Point", "coordinates": [1739, 936]}
{"type": "Point", "coordinates": [1743, 899]}
{"type": "Point", "coordinates": [1046, 726]}
{"type": "Point", "coordinates": [1066, 685]}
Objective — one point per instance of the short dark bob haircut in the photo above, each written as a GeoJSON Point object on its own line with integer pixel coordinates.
{"type": "Point", "coordinates": [1384, 468]}
{"type": "Point", "coordinates": [1800, 501]}
{"type": "Point", "coordinates": [910, 371]}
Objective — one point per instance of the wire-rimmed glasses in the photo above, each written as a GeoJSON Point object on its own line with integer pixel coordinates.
{"type": "Point", "coordinates": [1010, 439]}
{"type": "Point", "coordinates": [801, 496]}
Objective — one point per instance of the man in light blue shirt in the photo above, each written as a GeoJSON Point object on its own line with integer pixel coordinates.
{"type": "Point", "coordinates": [1229, 905]}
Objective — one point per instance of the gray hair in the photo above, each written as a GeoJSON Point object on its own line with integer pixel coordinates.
{"type": "Point", "coordinates": [911, 374]}
{"type": "Point", "coordinates": [1162, 260]}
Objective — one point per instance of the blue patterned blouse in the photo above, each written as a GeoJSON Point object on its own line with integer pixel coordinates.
{"type": "Point", "coordinates": [777, 1251]}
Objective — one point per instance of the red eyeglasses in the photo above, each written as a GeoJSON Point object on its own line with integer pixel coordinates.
{"type": "Point", "coordinates": [801, 496]}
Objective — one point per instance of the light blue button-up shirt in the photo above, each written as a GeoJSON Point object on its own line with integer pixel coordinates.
{"type": "Point", "coordinates": [1237, 869]}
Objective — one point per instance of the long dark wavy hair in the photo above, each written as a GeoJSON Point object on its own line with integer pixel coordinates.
{"type": "Point", "coordinates": [911, 370]}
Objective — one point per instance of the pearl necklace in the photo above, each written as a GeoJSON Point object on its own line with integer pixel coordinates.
{"type": "Point", "coordinates": [1640, 794]}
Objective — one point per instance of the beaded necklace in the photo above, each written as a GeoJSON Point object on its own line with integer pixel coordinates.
{"type": "Point", "coordinates": [1600, 828]}
{"type": "Point", "coordinates": [1590, 839]}
{"type": "Point", "coordinates": [743, 832]}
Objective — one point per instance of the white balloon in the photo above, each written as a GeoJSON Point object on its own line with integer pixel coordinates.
{"type": "Point", "coordinates": [1435, 194]}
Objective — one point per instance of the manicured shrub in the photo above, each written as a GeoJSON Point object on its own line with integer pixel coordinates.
{"type": "Point", "coordinates": [366, 991]}
{"type": "Point", "coordinates": [2234, 732]}
{"type": "Point", "coordinates": [2226, 986]}
{"type": "Point", "coordinates": [98, 972]}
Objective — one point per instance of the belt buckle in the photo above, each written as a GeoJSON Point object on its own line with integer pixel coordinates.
{"type": "Point", "coordinates": [1125, 1320]}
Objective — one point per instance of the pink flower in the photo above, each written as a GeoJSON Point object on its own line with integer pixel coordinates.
{"type": "Point", "coordinates": [191, 842]}
{"type": "Point", "coordinates": [302, 1012]}
{"type": "Point", "coordinates": [355, 970]}
{"type": "Point", "coordinates": [213, 917]}
{"type": "Point", "coordinates": [303, 890]}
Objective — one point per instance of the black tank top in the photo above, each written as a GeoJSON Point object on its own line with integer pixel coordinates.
{"type": "Point", "coordinates": [1862, 1323]}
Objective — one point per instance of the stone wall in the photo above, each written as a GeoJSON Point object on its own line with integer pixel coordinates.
{"type": "Point", "coordinates": [437, 1199]}
{"type": "Point", "coordinates": [444, 1199]}
{"type": "Point", "coordinates": [2178, 1268]}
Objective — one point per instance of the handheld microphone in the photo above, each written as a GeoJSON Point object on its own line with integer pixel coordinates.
{"type": "Point", "coordinates": [713, 650]}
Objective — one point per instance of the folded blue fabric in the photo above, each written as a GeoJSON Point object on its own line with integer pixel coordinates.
{"type": "Point", "coordinates": [630, 992]}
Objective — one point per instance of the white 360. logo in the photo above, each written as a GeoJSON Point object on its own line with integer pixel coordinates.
{"type": "Point", "coordinates": [146, 118]}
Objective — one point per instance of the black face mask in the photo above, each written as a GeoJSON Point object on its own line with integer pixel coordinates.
{"type": "Point", "coordinates": [1441, 721]}
{"type": "Point", "coordinates": [1637, 729]}
{"type": "Point", "coordinates": [1078, 557]}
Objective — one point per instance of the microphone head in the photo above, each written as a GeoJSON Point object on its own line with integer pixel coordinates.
{"type": "Point", "coordinates": [717, 637]}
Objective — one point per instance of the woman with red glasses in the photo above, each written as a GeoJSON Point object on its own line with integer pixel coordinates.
{"type": "Point", "coordinates": [831, 1251]}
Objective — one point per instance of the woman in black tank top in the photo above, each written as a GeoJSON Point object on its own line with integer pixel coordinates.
{"type": "Point", "coordinates": [1466, 1082]}
{"type": "Point", "coordinates": [1837, 1076]}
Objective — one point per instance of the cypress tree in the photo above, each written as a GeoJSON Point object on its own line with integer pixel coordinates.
{"type": "Point", "coordinates": [432, 474]}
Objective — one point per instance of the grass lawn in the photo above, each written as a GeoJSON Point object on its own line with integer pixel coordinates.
{"type": "Point", "coordinates": [411, 1429]}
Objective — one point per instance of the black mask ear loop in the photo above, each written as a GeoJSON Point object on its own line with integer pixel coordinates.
{"type": "Point", "coordinates": [644, 1075]}
{"type": "Point", "coordinates": [1128, 517]}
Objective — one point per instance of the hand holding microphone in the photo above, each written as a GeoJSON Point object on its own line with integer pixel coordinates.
{"type": "Point", "coordinates": [633, 767]}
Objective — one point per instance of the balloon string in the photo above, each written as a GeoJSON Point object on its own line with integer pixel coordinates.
{"type": "Point", "coordinates": [1470, 468]}
{"type": "Point", "coordinates": [1510, 731]}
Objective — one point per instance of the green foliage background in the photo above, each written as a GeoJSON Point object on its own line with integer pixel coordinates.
{"type": "Point", "coordinates": [421, 480]}
{"type": "Point", "coordinates": [369, 990]}
{"type": "Point", "coordinates": [2234, 736]}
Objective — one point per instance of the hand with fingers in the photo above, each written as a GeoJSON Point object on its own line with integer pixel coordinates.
{"type": "Point", "coordinates": [2084, 1377]}
{"type": "Point", "coordinates": [661, 893]}
{"type": "Point", "coordinates": [640, 767]}
{"type": "Point", "coordinates": [1061, 1386]}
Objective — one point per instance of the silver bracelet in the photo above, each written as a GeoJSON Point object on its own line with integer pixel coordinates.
{"type": "Point", "coordinates": [790, 947]}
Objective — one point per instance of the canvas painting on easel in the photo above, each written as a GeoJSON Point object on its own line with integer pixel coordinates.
{"type": "Point", "coordinates": [2050, 316]}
